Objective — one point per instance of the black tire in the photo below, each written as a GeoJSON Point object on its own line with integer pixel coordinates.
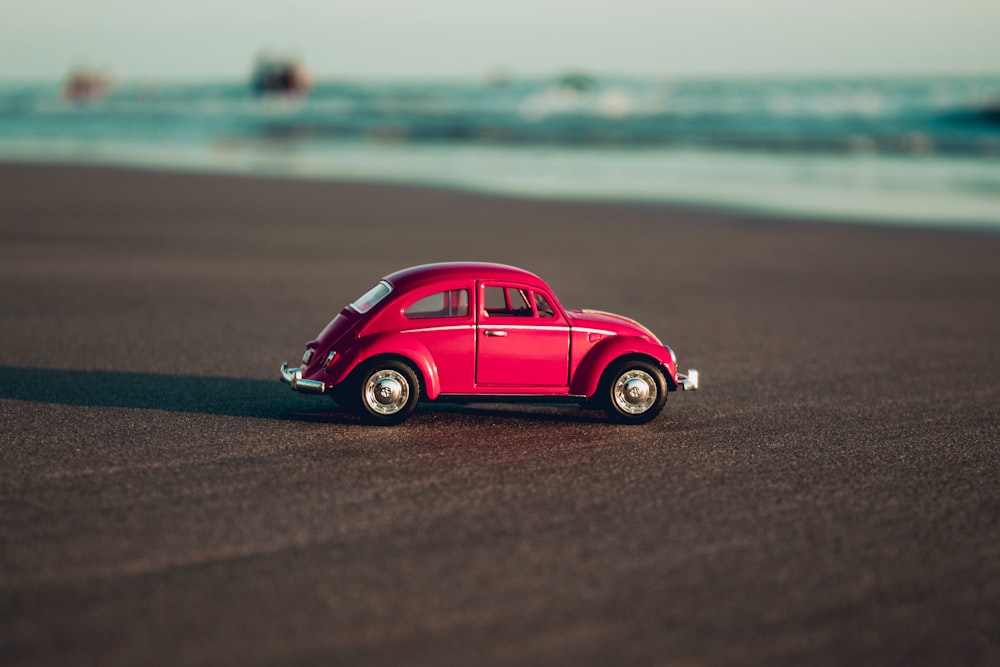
{"type": "Point", "coordinates": [633, 391]}
{"type": "Point", "coordinates": [387, 392]}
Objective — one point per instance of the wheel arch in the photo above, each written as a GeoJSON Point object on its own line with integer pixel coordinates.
{"type": "Point", "coordinates": [592, 370]}
{"type": "Point", "coordinates": [639, 356]}
{"type": "Point", "coordinates": [400, 347]}
{"type": "Point", "coordinates": [421, 374]}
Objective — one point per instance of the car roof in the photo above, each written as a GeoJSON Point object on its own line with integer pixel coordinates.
{"type": "Point", "coordinates": [415, 276]}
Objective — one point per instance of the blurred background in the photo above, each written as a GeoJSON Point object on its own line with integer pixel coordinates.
{"type": "Point", "coordinates": [884, 111]}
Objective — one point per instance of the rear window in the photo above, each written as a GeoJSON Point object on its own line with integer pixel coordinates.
{"type": "Point", "coordinates": [368, 300]}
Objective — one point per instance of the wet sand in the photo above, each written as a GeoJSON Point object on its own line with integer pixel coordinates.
{"type": "Point", "coordinates": [830, 496]}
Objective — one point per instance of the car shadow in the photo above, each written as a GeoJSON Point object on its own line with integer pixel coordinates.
{"type": "Point", "coordinates": [237, 397]}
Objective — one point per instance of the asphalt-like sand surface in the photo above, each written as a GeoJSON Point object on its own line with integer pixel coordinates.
{"type": "Point", "coordinates": [830, 497]}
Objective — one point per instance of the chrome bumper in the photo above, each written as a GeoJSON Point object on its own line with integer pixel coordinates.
{"type": "Point", "coordinates": [688, 382]}
{"type": "Point", "coordinates": [293, 376]}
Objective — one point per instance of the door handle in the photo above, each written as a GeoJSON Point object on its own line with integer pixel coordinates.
{"type": "Point", "coordinates": [495, 332]}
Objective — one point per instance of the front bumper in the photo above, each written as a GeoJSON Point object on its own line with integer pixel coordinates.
{"type": "Point", "coordinates": [293, 376]}
{"type": "Point", "coordinates": [688, 382]}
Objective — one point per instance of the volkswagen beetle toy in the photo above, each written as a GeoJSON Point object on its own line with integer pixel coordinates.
{"type": "Point", "coordinates": [462, 331]}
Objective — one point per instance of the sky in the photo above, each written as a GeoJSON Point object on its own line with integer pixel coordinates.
{"type": "Point", "coordinates": [446, 39]}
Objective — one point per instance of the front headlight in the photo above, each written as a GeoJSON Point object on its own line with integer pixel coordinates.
{"type": "Point", "coordinates": [673, 357]}
{"type": "Point", "coordinates": [307, 356]}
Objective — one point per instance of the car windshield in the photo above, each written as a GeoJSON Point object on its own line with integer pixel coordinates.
{"type": "Point", "coordinates": [368, 300]}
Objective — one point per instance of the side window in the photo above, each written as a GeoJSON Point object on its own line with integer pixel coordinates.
{"type": "Point", "coordinates": [450, 303]}
{"type": "Point", "coordinates": [507, 302]}
{"type": "Point", "coordinates": [542, 305]}
{"type": "Point", "coordinates": [518, 302]}
{"type": "Point", "coordinates": [496, 300]}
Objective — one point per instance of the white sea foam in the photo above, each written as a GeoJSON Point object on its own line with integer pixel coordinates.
{"type": "Point", "coordinates": [908, 151]}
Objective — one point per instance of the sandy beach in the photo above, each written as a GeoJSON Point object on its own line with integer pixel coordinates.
{"type": "Point", "coordinates": [829, 497]}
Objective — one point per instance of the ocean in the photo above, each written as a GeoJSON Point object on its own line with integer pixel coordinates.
{"type": "Point", "coordinates": [914, 151]}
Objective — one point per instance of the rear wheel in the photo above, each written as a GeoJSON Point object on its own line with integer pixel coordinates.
{"type": "Point", "coordinates": [633, 391]}
{"type": "Point", "coordinates": [388, 392]}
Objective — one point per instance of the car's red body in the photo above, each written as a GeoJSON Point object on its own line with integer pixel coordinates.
{"type": "Point", "coordinates": [472, 329]}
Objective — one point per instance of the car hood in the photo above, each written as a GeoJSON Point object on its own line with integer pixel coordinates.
{"type": "Point", "coordinates": [619, 324]}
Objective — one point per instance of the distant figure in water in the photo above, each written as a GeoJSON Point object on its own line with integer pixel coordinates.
{"type": "Point", "coordinates": [280, 76]}
{"type": "Point", "coordinates": [84, 85]}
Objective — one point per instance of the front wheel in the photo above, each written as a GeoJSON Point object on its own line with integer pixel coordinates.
{"type": "Point", "coordinates": [634, 392]}
{"type": "Point", "coordinates": [388, 392]}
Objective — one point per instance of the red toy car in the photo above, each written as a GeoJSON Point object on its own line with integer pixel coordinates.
{"type": "Point", "coordinates": [475, 331]}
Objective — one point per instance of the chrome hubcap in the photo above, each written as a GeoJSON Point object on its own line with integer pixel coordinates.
{"type": "Point", "coordinates": [386, 392]}
{"type": "Point", "coordinates": [635, 392]}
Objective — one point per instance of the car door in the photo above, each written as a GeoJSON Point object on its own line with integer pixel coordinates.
{"type": "Point", "coordinates": [520, 340]}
